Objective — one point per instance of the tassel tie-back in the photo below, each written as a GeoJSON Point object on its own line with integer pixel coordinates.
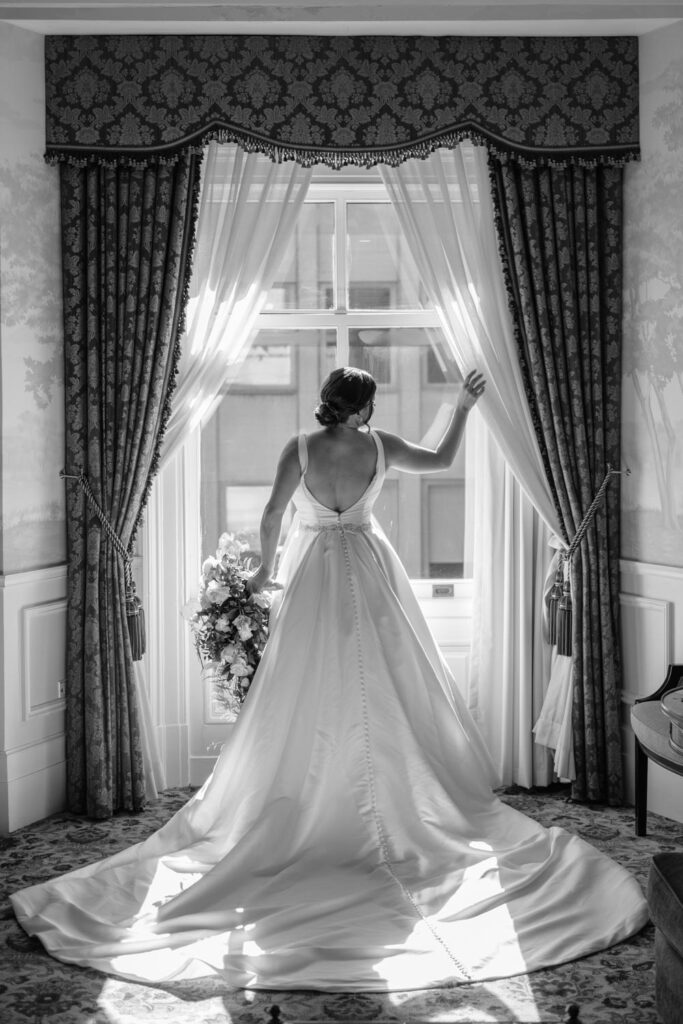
{"type": "Point", "coordinates": [560, 598]}
{"type": "Point", "coordinates": [135, 616]}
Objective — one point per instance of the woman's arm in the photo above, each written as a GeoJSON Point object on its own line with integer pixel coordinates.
{"type": "Point", "coordinates": [413, 458]}
{"type": "Point", "coordinates": [286, 480]}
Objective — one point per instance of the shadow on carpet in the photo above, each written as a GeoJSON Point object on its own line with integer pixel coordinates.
{"type": "Point", "coordinates": [613, 987]}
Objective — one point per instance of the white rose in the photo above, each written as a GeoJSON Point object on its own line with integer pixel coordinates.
{"type": "Point", "coordinates": [209, 567]}
{"type": "Point", "coordinates": [228, 654]}
{"type": "Point", "coordinates": [229, 547]}
{"type": "Point", "coordinates": [216, 593]}
{"type": "Point", "coordinates": [243, 627]}
{"type": "Point", "coordinates": [240, 669]}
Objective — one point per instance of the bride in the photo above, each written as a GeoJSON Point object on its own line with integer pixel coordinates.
{"type": "Point", "coordinates": [348, 837]}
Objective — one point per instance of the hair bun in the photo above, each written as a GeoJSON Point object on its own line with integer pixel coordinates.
{"type": "Point", "coordinates": [326, 415]}
{"type": "Point", "coordinates": [345, 392]}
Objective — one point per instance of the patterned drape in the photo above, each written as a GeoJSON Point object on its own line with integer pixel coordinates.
{"type": "Point", "coordinates": [126, 242]}
{"type": "Point", "coordinates": [561, 236]}
{"type": "Point", "coordinates": [337, 100]}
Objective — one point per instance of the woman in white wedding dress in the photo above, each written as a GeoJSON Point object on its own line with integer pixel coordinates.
{"type": "Point", "coordinates": [348, 837]}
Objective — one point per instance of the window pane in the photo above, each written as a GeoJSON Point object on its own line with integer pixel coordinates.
{"type": "Point", "coordinates": [304, 279]}
{"type": "Point", "coordinates": [267, 365]}
{"type": "Point", "coordinates": [241, 443]}
{"type": "Point", "coordinates": [374, 349]}
{"type": "Point", "coordinates": [243, 507]}
{"type": "Point", "coordinates": [382, 272]}
{"type": "Point", "coordinates": [406, 362]}
{"type": "Point", "coordinates": [445, 503]}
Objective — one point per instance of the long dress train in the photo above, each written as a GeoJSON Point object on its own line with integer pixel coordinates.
{"type": "Point", "coordinates": [348, 837]}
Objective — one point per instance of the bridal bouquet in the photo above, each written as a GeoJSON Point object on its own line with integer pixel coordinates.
{"type": "Point", "coordinates": [229, 625]}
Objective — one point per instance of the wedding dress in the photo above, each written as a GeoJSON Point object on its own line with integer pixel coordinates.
{"type": "Point", "coordinates": [348, 837]}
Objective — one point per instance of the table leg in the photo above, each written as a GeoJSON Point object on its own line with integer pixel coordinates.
{"type": "Point", "coordinates": [641, 791]}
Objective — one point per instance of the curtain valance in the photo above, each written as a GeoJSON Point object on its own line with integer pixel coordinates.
{"type": "Point", "coordinates": [340, 100]}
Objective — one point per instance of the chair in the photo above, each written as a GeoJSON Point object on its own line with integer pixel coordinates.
{"type": "Point", "coordinates": [651, 730]}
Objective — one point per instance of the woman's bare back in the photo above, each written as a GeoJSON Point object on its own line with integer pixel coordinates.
{"type": "Point", "coordinates": [341, 466]}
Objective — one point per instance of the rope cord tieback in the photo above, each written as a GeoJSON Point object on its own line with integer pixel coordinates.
{"type": "Point", "coordinates": [560, 622]}
{"type": "Point", "coordinates": [135, 615]}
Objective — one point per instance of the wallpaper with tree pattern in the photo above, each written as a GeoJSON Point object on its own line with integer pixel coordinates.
{"type": "Point", "coordinates": [652, 438]}
{"type": "Point", "coordinates": [31, 350]}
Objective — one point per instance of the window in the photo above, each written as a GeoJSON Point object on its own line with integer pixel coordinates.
{"type": "Point", "coordinates": [347, 292]}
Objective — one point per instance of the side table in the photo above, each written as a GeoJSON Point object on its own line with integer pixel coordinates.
{"type": "Point", "coordinates": [651, 730]}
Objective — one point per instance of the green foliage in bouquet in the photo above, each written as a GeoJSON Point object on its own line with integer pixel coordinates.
{"type": "Point", "coordinates": [229, 625]}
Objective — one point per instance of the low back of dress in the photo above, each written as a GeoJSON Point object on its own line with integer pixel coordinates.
{"type": "Point", "coordinates": [312, 513]}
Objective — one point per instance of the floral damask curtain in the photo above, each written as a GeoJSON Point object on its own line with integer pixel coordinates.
{"type": "Point", "coordinates": [561, 233]}
{"type": "Point", "coordinates": [342, 99]}
{"type": "Point", "coordinates": [126, 237]}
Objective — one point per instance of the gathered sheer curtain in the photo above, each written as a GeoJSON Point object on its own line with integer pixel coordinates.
{"type": "Point", "coordinates": [248, 209]}
{"type": "Point", "coordinates": [445, 209]}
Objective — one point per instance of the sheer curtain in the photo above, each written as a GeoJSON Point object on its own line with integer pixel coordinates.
{"type": "Point", "coordinates": [248, 209]}
{"type": "Point", "coordinates": [444, 206]}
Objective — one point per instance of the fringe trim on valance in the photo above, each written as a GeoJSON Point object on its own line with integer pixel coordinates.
{"type": "Point", "coordinates": [392, 156]}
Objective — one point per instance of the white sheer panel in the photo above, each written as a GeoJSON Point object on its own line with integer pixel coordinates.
{"type": "Point", "coordinates": [510, 662]}
{"type": "Point", "coordinates": [554, 726]}
{"type": "Point", "coordinates": [247, 213]}
{"type": "Point", "coordinates": [155, 777]}
{"type": "Point", "coordinates": [445, 208]}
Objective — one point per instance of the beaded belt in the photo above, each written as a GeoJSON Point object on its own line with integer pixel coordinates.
{"type": "Point", "coordinates": [339, 525]}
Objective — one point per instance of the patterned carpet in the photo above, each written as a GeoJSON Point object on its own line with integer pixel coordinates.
{"type": "Point", "coordinates": [610, 988]}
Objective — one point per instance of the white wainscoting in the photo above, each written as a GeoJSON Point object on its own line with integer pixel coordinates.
{"type": "Point", "coordinates": [651, 608]}
{"type": "Point", "coordinates": [32, 759]}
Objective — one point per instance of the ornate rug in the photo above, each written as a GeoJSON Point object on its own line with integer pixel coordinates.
{"type": "Point", "coordinates": [609, 988]}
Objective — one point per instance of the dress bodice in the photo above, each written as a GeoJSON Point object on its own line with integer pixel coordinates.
{"type": "Point", "coordinates": [313, 514]}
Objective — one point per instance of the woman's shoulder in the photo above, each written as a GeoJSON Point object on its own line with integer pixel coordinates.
{"type": "Point", "coordinates": [291, 449]}
{"type": "Point", "coordinates": [390, 442]}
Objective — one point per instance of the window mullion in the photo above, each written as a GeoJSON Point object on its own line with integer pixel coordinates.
{"type": "Point", "coordinates": [342, 342]}
{"type": "Point", "coordinates": [341, 269]}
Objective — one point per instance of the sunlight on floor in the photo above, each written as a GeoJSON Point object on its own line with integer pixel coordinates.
{"type": "Point", "coordinates": [490, 1003]}
{"type": "Point", "coordinates": [165, 1007]}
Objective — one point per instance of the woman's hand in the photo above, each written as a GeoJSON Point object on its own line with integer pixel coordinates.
{"type": "Point", "coordinates": [473, 388]}
{"type": "Point", "coordinates": [258, 581]}
{"type": "Point", "coordinates": [261, 581]}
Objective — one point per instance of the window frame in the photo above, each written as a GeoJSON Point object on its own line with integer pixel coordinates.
{"type": "Point", "coordinates": [340, 318]}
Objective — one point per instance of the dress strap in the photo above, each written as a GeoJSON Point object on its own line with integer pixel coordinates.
{"type": "Point", "coordinates": [303, 453]}
{"type": "Point", "coordinates": [381, 464]}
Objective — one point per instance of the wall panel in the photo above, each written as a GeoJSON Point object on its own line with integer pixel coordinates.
{"type": "Point", "coordinates": [32, 758]}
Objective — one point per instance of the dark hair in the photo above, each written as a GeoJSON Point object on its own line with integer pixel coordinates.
{"type": "Point", "coordinates": [345, 391]}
